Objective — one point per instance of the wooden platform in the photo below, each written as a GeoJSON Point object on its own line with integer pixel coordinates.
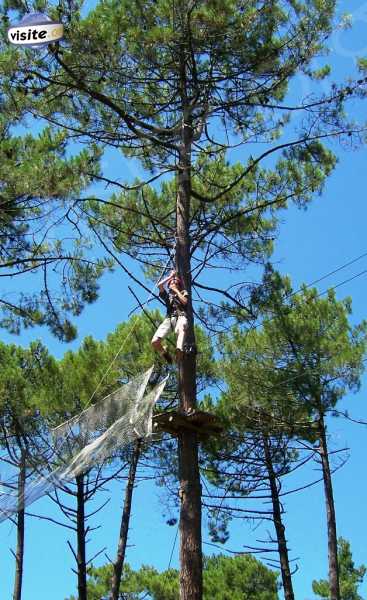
{"type": "Point", "coordinates": [173, 422]}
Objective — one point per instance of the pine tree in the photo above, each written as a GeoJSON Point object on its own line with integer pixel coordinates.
{"type": "Point", "coordinates": [175, 84]}
{"type": "Point", "coordinates": [38, 185]}
{"type": "Point", "coordinates": [225, 578]}
{"type": "Point", "coordinates": [350, 576]}
{"type": "Point", "coordinates": [24, 372]}
{"type": "Point", "coordinates": [259, 449]}
{"type": "Point", "coordinates": [322, 359]}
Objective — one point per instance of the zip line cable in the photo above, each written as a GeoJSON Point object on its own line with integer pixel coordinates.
{"type": "Point", "coordinates": [334, 287]}
{"type": "Point", "coordinates": [336, 270]}
{"type": "Point", "coordinates": [280, 385]}
{"type": "Point", "coordinates": [351, 262]}
{"type": "Point", "coordinates": [311, 371]}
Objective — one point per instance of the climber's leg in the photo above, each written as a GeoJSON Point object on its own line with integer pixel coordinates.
{"type": "Point", "coordinates": [163, 330]}
{"type": "Point", "coordinates": [180, 331]}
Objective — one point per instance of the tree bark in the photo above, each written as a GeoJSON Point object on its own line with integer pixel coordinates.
{"type": "Point", "coordinates": [278, 524]}
{"type": "Point", "coordinates": [19, 556]}
{"type": "Point", "coordinates": [330, 513]}
{"type": "Point", "coordinates": [189, 476]}
{"type": "Point", "coordinates": [191, 584]}
{"type": "Point", "coordinates": [81, 562]}
{"type": "Point", "coordinates": [125, 521]}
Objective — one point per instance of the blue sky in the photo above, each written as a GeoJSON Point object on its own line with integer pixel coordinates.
{"type": "Point", "coordinates": [311, 244]}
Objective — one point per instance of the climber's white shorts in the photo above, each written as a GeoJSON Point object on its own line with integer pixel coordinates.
{"type": "Point", "coordinates": [170, 324]}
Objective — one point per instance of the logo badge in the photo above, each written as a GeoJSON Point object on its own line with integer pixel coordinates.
{"type": "Point", "coordinates": [35, 30]}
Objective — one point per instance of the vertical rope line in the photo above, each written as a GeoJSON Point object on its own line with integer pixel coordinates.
{"type": "Point", "coordinates": [173, 548]}
{"type": "Point", "coordinates": [118, 352]}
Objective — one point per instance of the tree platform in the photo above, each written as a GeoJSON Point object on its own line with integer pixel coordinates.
{"type": "Point", "coordinates": [173, 422]}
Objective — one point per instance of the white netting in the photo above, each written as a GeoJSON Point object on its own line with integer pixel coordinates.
{"type": "Point", "coordinates": [133, 420]}
{"type": "Point", "coordinates": [135, 424]}
{"type": "Point", "coordinates": [79, 430]}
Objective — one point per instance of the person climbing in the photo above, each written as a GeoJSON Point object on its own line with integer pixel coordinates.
{"type": "Point", "coordinates": [176, 318]}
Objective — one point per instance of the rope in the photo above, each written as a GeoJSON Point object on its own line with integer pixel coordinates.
{"type": "Point", "coordinates": [173, 548]}
{"type": "Point", "coordinates": [130, 332]}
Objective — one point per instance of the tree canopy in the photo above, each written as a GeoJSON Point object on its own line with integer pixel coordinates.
{"type": "Point", "coordinates": [225, 578]}
{"type": "Point", "coordinates": [350, 576]}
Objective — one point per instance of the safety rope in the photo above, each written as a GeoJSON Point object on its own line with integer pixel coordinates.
{"type": "Point", "coordinates": [128, 335]}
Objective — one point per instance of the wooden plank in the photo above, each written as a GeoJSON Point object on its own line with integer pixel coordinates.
{"type": "Point", "coordinates": [203, 423]}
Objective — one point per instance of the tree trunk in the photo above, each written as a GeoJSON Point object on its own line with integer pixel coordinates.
{"type": "Point", "coordinates": [125, 521]}
{"type": "Point", "coordinates": [191, 584]}
{"type": "Point", "coordinates": [330, 513]}
{"type": "Point", "coordinates": [278, 524]}
{"type": "Point", "coordinates": [82, 567]}
{"type": "Point", "coordinates": [19, 557]}
{"type": "Point", "coordinates": [190, 488]}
